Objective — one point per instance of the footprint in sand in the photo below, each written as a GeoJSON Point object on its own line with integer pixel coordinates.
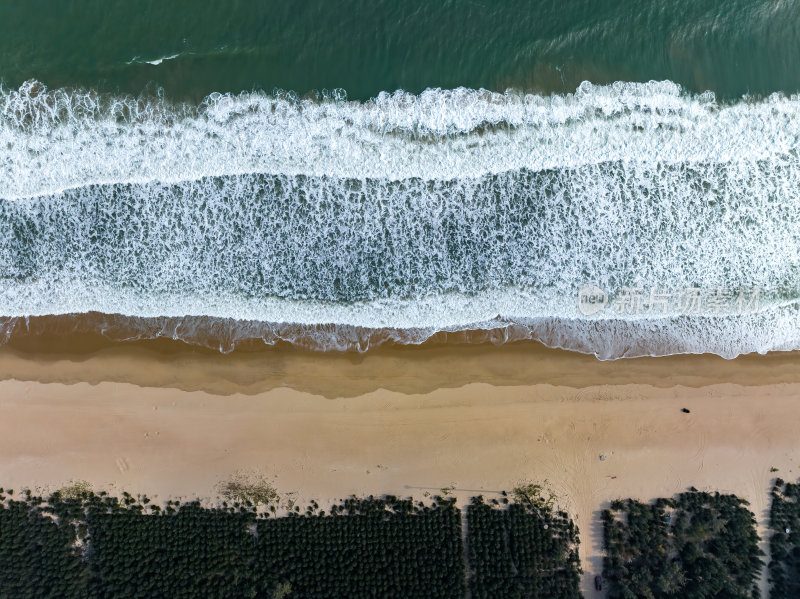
{"type": "Point", "coordinates": [122, 464]}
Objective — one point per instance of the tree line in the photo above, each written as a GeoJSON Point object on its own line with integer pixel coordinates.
{"type": "Point", "coordinates": [87, 545]}
{"type": "Point", "coordinates": [81, 544]}
{"type": "Point", "coordinates": [695, 545]}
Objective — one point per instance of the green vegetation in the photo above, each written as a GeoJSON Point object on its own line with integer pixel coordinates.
{"type": "Point", "coordinates": [366, 548]}
{"type": "Point", "coordinates": [81, 544]}
{"type": "Point", "coordinates": [784, 545]}
{"type": "Point", "coordinates": [522, 549]}
{"type": "Point", "coordinates": [194, 552]}
{"type": "Point", "coordinates": [78, 544]}
{"type": "Point", "coordinates": [75, 489]}
{"type": "Point", "coordinates": [695, 545]}
{"type": "Point", "coordinates": [249, 488]}
{"type": "Point", "coordinates": [531, 494]}
{"type": "Point", "coordinates": [37, 556]}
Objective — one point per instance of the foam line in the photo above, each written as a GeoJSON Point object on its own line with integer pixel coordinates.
{"type": "Point", "coordinates": [52, 140]}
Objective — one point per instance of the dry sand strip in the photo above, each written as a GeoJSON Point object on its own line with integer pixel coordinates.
{"type": "Point", "coordinates": [478, 436]}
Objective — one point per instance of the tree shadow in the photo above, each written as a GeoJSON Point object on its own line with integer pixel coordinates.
{"type": "Point", "coordinates": [594, 565]}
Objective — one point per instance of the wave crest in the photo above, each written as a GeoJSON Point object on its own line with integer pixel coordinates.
{"type": "Point", "coordinates": [52, 140]}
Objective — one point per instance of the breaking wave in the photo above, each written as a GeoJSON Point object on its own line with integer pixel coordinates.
{"type": "Point", "coordinates": [343, 225]}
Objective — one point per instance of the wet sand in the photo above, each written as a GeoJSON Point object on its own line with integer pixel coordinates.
{"type": "Point", "coordinates": [163, 419]}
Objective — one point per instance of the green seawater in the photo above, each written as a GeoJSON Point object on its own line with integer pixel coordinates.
{"type": "Point", "coordinates": [732, 47]}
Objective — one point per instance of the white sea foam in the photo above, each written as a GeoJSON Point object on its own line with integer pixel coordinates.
{"type": "Point", "coordinates": [53, 140]}
{"type": "Point", "coordinates": [158, 61]}
{"type": "Point", "coordinates": [446, 211]}
{"type": "Point", "coordinates": [154, 62]}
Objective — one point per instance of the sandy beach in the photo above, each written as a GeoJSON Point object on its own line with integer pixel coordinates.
{"type": "Point", "coordinates": [318, 250]}
{"type": "Point", "coordinates": [172, 422]}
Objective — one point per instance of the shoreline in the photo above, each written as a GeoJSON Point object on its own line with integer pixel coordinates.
{"type": "Point", "coordinates": [728, 336]}
{"type": "Point", "coordinates": [165, 363]}
{"type": "Point", "coordinates": [161, 420]}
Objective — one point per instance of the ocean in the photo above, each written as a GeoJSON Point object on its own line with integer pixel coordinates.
{"type": "Point", "coordinates": [615, 178]}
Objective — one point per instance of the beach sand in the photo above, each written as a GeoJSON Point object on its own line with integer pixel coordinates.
{"type": "Point", "coordinates": [161, 419]}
